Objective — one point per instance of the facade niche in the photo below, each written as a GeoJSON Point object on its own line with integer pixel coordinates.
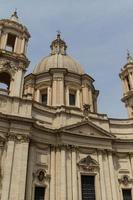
{"type": "Point", "coordinates": [4, 81]}
{"type": "Point", "coordinates": [10, 42]}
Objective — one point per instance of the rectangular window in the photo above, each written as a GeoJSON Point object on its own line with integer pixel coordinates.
{"type": "Point", "coordinates": [72, 97]}
{"type": "Point", "coordinates": [88, 187]}
{"type": "Point", "coordinates": [127, 194]}
{"type": "Point", "coordinates": [10, 42]}
{"type": "Point", "coordinates": [39, 193]}
{"type": "Point", "coordinates": [44, 97]}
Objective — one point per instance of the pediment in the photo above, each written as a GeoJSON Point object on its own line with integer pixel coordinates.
{"type": "Point", "coordinates": [88, 163]}
{"type": "Point", "coordinates": [88, 128]}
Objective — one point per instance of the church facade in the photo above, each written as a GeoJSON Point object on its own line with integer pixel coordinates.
{"type": "Point", "coordinates": [54, 145]}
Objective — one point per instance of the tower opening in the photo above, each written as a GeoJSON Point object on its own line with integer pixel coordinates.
{"type": "Point", "coordinates": [128, 82]}
{"type": "Point", "coordinates": [4, 82]}
{"type": "Point", "coordinates": [10, 42]}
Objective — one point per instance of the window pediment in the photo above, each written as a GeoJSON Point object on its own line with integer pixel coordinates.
{"type": "Point", "coordinates": [88, 163]}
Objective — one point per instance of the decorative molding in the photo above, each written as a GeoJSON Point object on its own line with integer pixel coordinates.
{"type": "Point", "coordinates": [66, 146]}
{"type": "Point", "coordinates": [7, 65]}
{"type": "Point", "coordinates": [88, 164]}
{"type": "Point", "coordinates": [19, 138]}
{"type": "Point", "coordinates": [11, 66]}
{"type": "Point", "coordinates": [125, 180]}
{"type": "Point", "coordinates": [40, 176]}
{"type": "Point", "coordinates": [86, 111]}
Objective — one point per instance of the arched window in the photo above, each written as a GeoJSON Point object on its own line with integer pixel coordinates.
{"type": "Point", "coordinates": [5, 79]}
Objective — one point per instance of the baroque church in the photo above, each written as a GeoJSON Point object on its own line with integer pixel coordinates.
{"type": "Point", "coordinates": [54, 145]}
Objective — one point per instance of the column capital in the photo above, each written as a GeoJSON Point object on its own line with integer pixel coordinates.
{"type": "Point", "coordinates": [130, 153]}
{"type": "Point", "coordinates": [19, 138]}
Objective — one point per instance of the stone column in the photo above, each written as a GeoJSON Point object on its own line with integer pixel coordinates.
{"type": "Point", "coordinates": [90, 100]}
{"type": "Point", "coordinates": [52, 181]}
{"type": "Point", "coordinates": [123, 86]}
{"type": "Point", "coordinates": [16, 45]}
{"type": "Point", "coordinates": [19, 168]}
{"type": "Point", "coordinates": [7, 170]}
{"type": "Point", "coordinates": [102, 181]}
{"type": "Point", "coordinates": [78, 98]}
{"type": "Point", "coordinates": [131, 80]}
{"type": "Point", "coordinates": [23, 170]}
{"type": "Point", "coordinates": [126, 85]}
{"type": "Point", "coordinates": [58, 173]}
{"type": "Point", "coordinates": [107, 177]}
{"type": "Point", "coordinates": [67, 96]}
{"type": "Point", "coordinates": [69, 174]}
{"type": "Point", "coordinates": [85, 94]}
{"type": "Point", "coordinates": [4, 40]}
{"type": "Point", "coordinates": [23, 46]}
{"type": "Point", "coordinates": [37, 95]}
{"type": "Point", "coordinates": [63, 173]}
{"type": "Point", "coordinates": [49, 96]}
{"type": "Point", "coordinates": [112, 176]}
{"type": "Point", "coordinates": [58, 89]}
{"type": "Point", "coordinates": [74, 175]}
{"type": "Point", "coordinates": [30, 170]}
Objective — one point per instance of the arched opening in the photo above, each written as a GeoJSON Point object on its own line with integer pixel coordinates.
{"type": "Point", "coordinates": [10, 42]}
{"type": "Point", "coordinates": [5, 79]}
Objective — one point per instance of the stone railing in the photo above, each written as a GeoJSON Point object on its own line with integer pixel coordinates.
{"type": "Point", "coordinates": [4, 91]}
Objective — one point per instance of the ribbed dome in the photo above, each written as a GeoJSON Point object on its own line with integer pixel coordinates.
{"type": "Point", "coordinates": [58, 59]}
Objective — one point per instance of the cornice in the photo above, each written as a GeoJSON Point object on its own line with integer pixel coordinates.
{"type": "Point", "coordinates": [14, 118]}
{"type": "Point", "coordinates": [7, 23]}
{"type": "Point", "coordinates": [14, 57]}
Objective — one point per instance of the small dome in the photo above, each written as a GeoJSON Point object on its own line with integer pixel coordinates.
{"type": "Point", "coordinates": [58, 59]}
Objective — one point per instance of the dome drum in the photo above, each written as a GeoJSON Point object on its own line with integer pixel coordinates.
{"type": "Point", "coordinates": [59, 86]}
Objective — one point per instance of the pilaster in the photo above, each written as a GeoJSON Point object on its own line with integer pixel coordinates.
{"type": "Point", "coordinates": [8, 164]}
{"type": "Point", "coordinates": [19, 168]}
{"type": "Point", "coordinates": [63, 173]}
{"type": "Point", "coordinates": [102, 180]}
{"type": "Point", "coordinates": [74, 175]}
{"type": "Point", "coordinates": [107, 177]}
{"type": "Point", "coordinates": [85, 94]}
{"type": "Point", "coordinates": [112, 176]}
{"type": "Point", "coordinates": [69, 174]}
{"type": "Point", "coordinates": [52, 181]}
{"type": "Point", "coordinates": [58, 174]}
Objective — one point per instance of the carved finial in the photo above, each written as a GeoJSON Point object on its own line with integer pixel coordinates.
{"type": "Point", "coordinates": [58, 34]}
{"type": "Point", "coordinates": [129, 57]}
{"type": "Point", "coordinates": [58, 46]}
{"type": "Point", "coordinates": [14, 16]}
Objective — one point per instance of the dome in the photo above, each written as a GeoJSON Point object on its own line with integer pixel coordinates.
{"type": "Point", "coordinates": [58, 59]}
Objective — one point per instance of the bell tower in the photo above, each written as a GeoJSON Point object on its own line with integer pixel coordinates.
{"type": "Point", "coordinates": [13, 61]}
{"type": "Point", "coordinates": [126, 76]}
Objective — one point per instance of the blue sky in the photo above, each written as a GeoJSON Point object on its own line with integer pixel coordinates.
{"type": "Point", "coordinates": [97, 32]}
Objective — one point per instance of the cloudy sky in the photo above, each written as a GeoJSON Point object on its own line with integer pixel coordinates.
{"type": "Point", "coordinates": [97, 32]}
